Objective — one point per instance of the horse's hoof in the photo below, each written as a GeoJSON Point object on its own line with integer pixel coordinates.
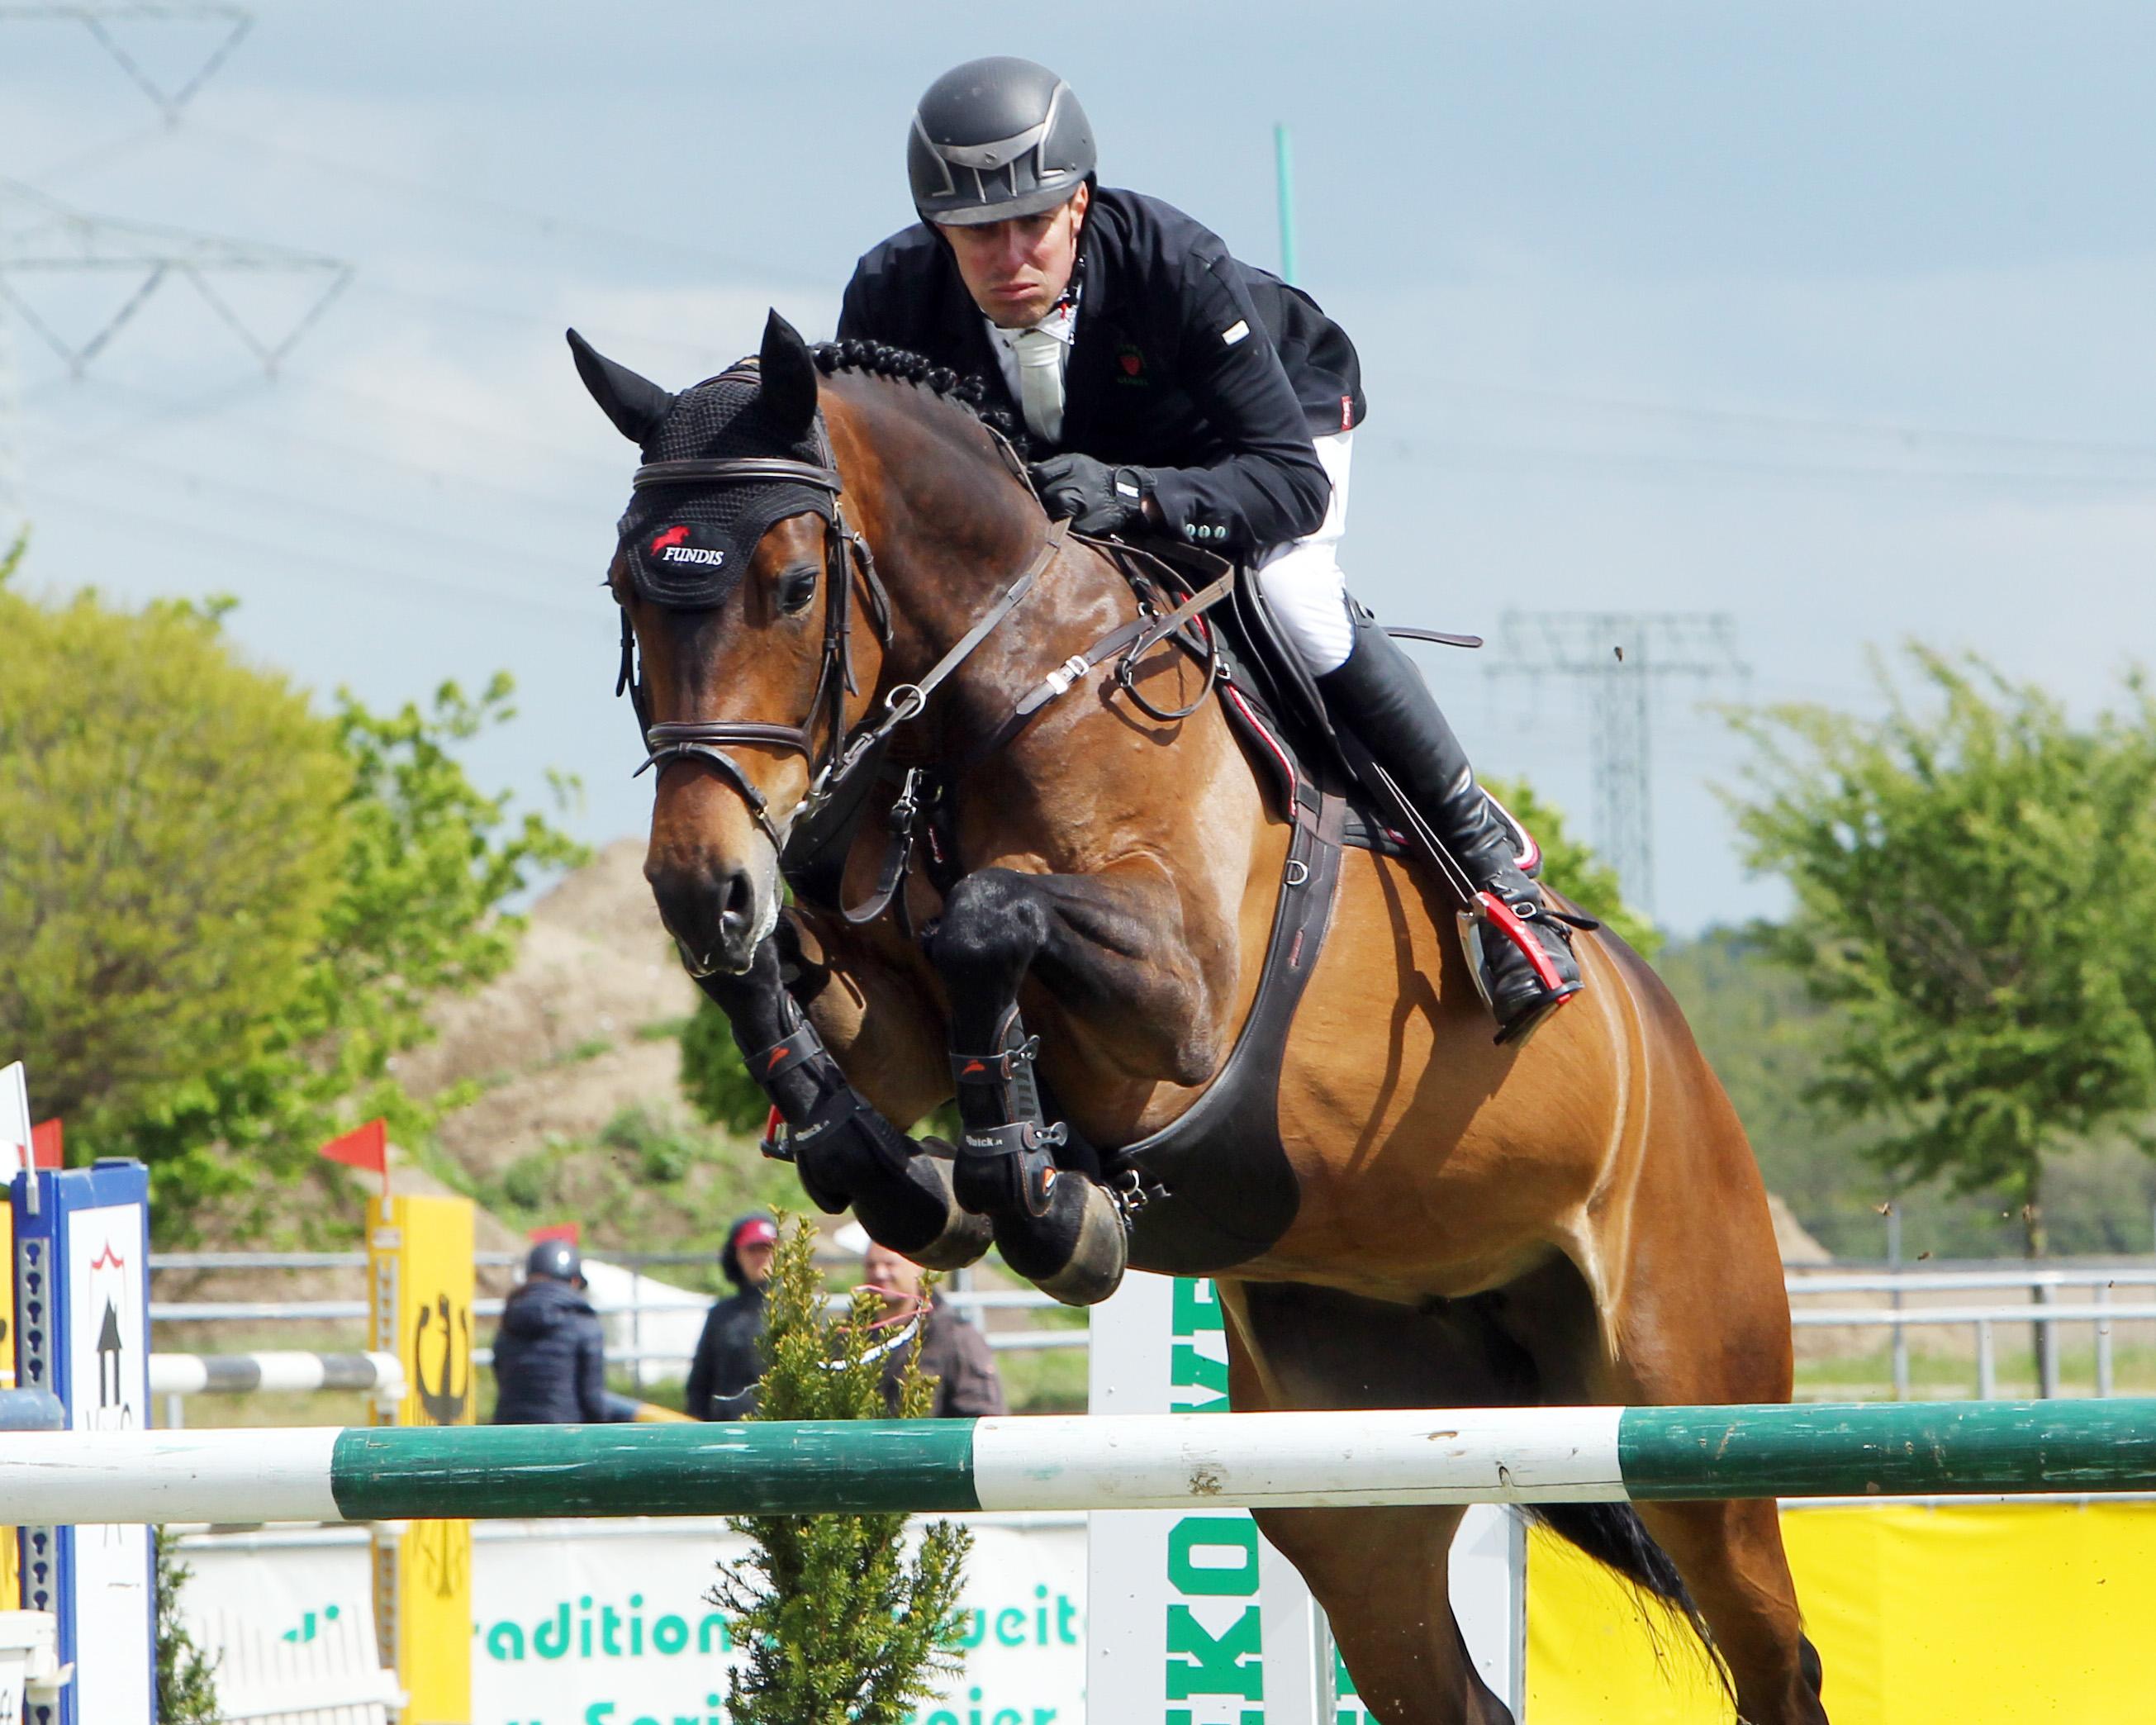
{"type": "Point", "coordinates": [965, 1236]}
{"type": "Point", "coordinates": [1100, 1253]}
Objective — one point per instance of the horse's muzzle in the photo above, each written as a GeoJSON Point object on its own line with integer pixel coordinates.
{"type": "Point", "coordinates": [717, 915]}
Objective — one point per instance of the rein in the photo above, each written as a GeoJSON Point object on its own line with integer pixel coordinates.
{"type": "Point", "coordinates": [851, 758]}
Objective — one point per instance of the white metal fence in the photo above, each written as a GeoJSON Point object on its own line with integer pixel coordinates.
{"type": "Point", "coordinates": [2040, 1289]}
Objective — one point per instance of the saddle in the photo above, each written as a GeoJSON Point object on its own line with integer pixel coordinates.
{"type": "Point", "coordinates": [1215, 1187]}
{"type": "Point", "coordinates": [1219, 1186]}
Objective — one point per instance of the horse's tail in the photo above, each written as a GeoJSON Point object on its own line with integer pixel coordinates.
{"type": "Point", "coordinates": [1614, 1535]}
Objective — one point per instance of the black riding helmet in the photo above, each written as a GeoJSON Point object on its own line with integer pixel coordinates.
{"type": "Point", "coordinates": [557, 1258]}
{"type": "Point", "coordinates": [995, 139]}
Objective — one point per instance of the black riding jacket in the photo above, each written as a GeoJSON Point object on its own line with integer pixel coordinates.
{"type": "Point", "coordinates": [550, 1358]}
{"type": "Point", "coordinates": [1211, 372]}
{"type": "Point", "coordinates": [722, 1377]}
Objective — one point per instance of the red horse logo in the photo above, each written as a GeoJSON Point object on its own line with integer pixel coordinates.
{"type": "Point", "coordinates": [672, 536]}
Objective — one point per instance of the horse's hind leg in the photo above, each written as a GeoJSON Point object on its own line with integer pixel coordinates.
{"type": "Point", "coordinates": [1709, 1326]}
{"type": "Point", "coordinates": [1731, 1557]}
{"type": "Point", "coordinates": [1381, 1575]}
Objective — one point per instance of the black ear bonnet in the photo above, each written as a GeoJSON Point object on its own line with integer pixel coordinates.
{"type": "Point", "coordinates": [689, 544]}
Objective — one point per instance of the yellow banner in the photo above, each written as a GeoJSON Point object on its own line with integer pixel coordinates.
{"type": "Point", "coordinates": [1982, 1613]}
{"type": "Point", "coordinates": [11, 1546]}
{"type": "Point", "coordinates": [419, 1280]}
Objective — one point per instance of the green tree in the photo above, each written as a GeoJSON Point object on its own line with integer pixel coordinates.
{"type": "Point", "coordinates": [221, 915]}
{"type": "Point", "coordinates": [840, 1626]}
{"type": "Point", "coordinates": [168, 844]}
{"type": "Point", "coordinates": [1974, 882]}
{"type": "Point", "coordinates": [713, 1078]}
{"type": "Point", "coordinates": [1571, 866]}
{"type": "Point", "coordinates": [186, 1677]}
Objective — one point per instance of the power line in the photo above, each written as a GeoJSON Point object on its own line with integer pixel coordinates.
{"type": "Point", "coordinates": [1759, 420]}
{"type": "Point", "coordinates": [40, 236]}
{"type": "Point", "coordinates": [95, 19]}
{"type": "Point", "coordinates": [285, 557]}
{"type": "Point", "coordinates": [284, 438]}
{"type": "Point", "coordinates": [501, 211]}
{"type": "Point", "coordinates": [1620, 657]}
{"type": "Point", "coordinates": [1521, 457]}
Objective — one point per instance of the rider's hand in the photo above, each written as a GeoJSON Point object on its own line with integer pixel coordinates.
{"type": "Point", "coordinates": [1100, 498]}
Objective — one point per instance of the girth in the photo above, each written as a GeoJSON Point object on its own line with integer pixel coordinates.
{"type": "Point", "coordinates": [1220, 1189]}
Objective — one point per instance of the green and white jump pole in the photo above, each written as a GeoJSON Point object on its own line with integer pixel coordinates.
{"type": "Point", "coordinates": [1146, 1461]}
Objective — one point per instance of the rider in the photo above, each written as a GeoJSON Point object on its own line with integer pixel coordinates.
{"type": "Point", "coordinates": [1167, 386]}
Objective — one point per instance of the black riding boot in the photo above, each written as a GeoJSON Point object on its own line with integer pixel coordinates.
{"type": "Point", "coordinates": [1380, 698]}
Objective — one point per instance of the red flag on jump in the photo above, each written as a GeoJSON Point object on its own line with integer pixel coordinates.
{"type": "Point", "coordinates": [46, 1145]}
{"type": "Point", "coordinates": [364, 1147]}
{"type": "Point", "coordinates": [571, 1231]}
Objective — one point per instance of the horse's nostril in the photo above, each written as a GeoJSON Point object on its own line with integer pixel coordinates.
{"type": "Point", "coordinates": [737, 901]}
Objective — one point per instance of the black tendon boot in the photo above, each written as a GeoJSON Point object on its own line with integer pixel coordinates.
{"type": "Point", "coordinates": [1061, 1231]}
{"type": "Point", "coordinates": [1520, 954]}
{"type": "Point", "coordinates": [846, 1153]}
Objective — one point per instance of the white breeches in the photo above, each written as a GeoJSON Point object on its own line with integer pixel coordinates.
{"type": "Point", "coordinates": [1302, 580]}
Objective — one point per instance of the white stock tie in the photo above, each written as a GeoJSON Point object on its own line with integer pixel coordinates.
{"type": "Point", "coordinates": [1040, 382]}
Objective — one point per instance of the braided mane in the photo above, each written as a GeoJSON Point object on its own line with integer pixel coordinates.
{"type": "Point", "coordinates": [879, 360]}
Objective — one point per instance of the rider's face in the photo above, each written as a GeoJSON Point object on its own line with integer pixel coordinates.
{"type": "Point", "coordinates": [1017, 270]}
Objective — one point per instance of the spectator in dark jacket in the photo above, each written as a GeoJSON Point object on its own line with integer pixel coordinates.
{"type": "Point", "coordinates": [952, 1351]}
{"type": "Point", "coordinates": [722, 1379]}
{"type": "Point", "coordinates": [550, 1352]}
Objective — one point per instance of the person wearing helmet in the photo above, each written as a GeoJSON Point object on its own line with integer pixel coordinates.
{"type": "Point", "coordinates": [550, 1351]}
{"type": "Point", "coordinates": [722, 1379]}
{"type": "Point", "coordinates": [1164, 386]}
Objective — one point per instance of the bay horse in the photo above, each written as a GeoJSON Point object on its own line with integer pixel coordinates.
{"type": "Point", "coordinates": [831, 554]}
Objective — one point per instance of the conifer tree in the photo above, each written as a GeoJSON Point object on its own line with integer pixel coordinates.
{"type": "Point", "coordinates": [840, 1625]}
{"type": "Point", "coordinates": [186, 1677]}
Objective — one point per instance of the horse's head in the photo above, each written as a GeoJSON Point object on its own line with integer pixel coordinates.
{"type": "Point", "coordinates": [729, 553]}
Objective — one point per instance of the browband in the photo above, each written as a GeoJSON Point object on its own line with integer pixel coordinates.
{"type": "Point", "coordinates": [740, 469]}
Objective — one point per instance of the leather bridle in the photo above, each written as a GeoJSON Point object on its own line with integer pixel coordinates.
{"type": "Point", "coordinates": [846, 754]}
{"type": "Point", "coordinates": [850, 758]}
{"type": "Point", "coordinates": [704, 739]}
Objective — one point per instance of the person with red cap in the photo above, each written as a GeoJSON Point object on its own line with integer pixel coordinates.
{"type": "Point", "coordinates": [722, 1380]}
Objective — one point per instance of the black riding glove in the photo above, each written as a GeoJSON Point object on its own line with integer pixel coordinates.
{"type": "Point", "coordinates": [1101, 499]}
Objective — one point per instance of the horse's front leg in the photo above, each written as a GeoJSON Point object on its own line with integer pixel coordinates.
{"type": "Point", "coordinates": [844, 1149]}
{"type": "Point", "coordinates": [1108, 948]}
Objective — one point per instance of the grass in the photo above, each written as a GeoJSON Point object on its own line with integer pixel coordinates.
{"type": "Point", "coordinates": [650, 1180]}
{"type": "Point", "coordinates": [1049, 1380]}
{"type": "Point", "coordinates": [1948, 1377]}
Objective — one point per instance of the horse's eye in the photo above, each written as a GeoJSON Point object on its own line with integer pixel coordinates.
{"type": "Point", "coordinates": [796, 588]}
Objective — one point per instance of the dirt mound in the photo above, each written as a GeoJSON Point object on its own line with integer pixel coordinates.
{"type": "Point", "coordinates": [574, 1033]}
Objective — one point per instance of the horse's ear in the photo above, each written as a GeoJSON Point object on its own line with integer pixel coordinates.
{"type": "Point", "coordinates": [637, 406]}
{"type": "Point", "coordinates": [789, 377]}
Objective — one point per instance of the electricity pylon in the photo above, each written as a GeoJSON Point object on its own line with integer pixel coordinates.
{"type": "Point", "coordinates": [98, 19]}
{"type": "Point", "coordinates": [1621, 657]}
{"type": "Point", "coordinates": [41, 238]}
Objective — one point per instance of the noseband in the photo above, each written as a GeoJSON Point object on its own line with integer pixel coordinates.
{"type": "Point", "coordinates": [703, 739]}
{"type": "Point", "coordinates": [847, 757]}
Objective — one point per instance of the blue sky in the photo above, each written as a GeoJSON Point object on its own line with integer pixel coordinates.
{"type": "Point", "coordinates": [1836, 319]}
